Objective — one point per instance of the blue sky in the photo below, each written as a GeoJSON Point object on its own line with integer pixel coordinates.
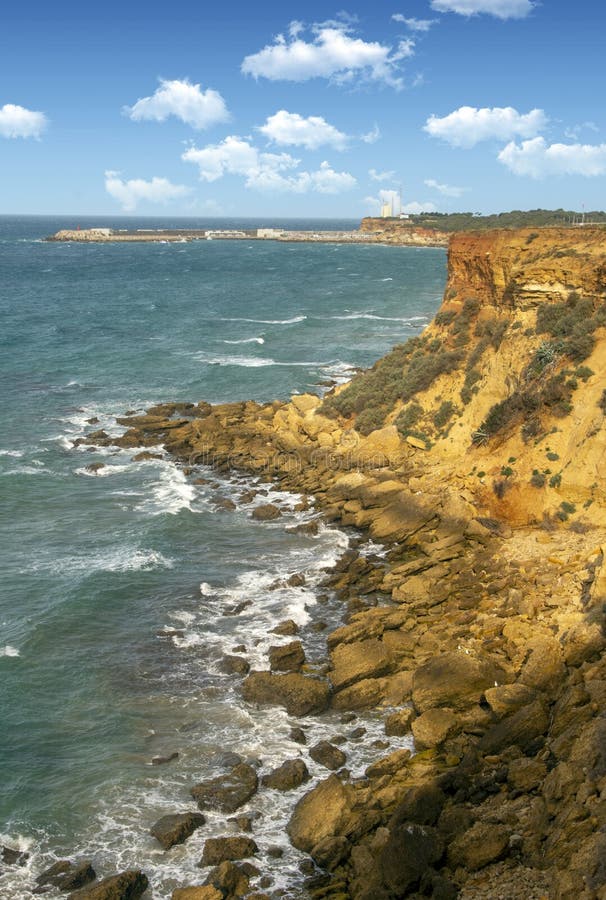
{"type": "Point", "coordinates": [249, 110]}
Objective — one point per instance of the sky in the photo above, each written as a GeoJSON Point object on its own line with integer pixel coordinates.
{"type": "Point", "coordinates": [259, 109]}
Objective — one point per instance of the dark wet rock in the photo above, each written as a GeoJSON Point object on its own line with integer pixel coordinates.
{"type": "Point", "coordinates": [304, 528]}
{"type": "Point", "coordinates": [161, 760]}
{"type": "Point", "coordinates": [266, 512]}
{"type": "Point", "coordinates": [410, 851]}
{"type": "Point", "coordinates": [453, 679]}
{"type": "Point", "coordinates": [482, 844]}
{"type": "Point", "coordinates": [66, 875]}
{"type": "Point", "coordinates": [357, 733]}
{"type": "Point", "coordinates": [242, 823]}
{"type": "Point", "coordinates": [421, 805]}
{"type": "Point", "coordinates": [319, 626]}
{"type": "Point", "coordinates": [298, 694]}
{"type": "Point", "coordinates": [286, 628]}
{"type": "Point", "coordinates": [224, 503]}
{"type": "Point", "coordinates": [329, 852]}
{"type": "Point", "coordinates": [291, 774]}
{"type": "Point", "coordinates": [398, 723]}
{"type": "Point", "coordinates": [170, 632]}
{"type": "Point", "coordinates": [234, 665]}
{"type": "Point", "coordinates": [230, 759]}
{"type": "Point", "coordinates": [129, 885]}
{"type": "Point", "coordinates": [95, 467]}
{"type": "Point", "coordinates": [287, 658]}
{"type": "Point", "coordinates": [11, 857]}
{"type": "Point", "coordinates": [92, 421]}
{"type": "Point", "coordinates": [306, 867]}
{"type": "Point", "coordinates": [100, 437]}
{"type": "Point", "coordinates": [175, 829]}
{"type": "Point", "coordinates": [230, 879]}
{"type": "Point", "coordinates": [146, 455]}
{"type": "Point", "coordinates": [221, 849]}
{"type": "Point", "coordinates": [296, 580]}
{"type": "Point", "coordinates": [227, 792]}
{"type": "Point", "coordinates": [247, 496]}
{"type": "Point", "coordinates": [275, 852]}
{"type": "Point", "coordinates": [522, 728]}
{"type": "Point", "coordinates": [297, 735]}
{"type": "Point", "coordinates": [348, 717]}
{"type": "Point", "coordinates": [328, 755]}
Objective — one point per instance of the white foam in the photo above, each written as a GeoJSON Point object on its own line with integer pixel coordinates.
{"type": "Point", "coordinates": [252, 340]}
{"type": "Point", "coordinates": [9, 650]}
{"type": "Point", "coordinates": [103, 472]}
{"type": "Point", "coordinates": [182, 616]}
{"type": "Point", "coordinates": [206, 590]}
{"type": "Point", "coordinates": [124, 559]}
{"type": "Point", "coordinates": [252, 362]}
{"type": "Point", "coordinates": [365, 315]}
{"type": "Point", "coordinates": [170, 494]}
{"type": "Point", "coordinates": [292, 321]}
{"type": "Point", "coordinates": [16, 454]}
{"type": "Point", "coordinates": [386, 279]}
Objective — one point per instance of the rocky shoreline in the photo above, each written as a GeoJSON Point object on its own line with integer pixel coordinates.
{"type": "Point", "coordinates": [483, 625]}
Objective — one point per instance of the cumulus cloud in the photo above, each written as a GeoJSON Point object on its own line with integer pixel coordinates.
{"type": "Point", "coordinates": [538, 159]}
{"type": "Point", "coordinates": [467, 126]}
{"type": "Point", "coordinates": [381, 176]}
{"type": "Point", "coordinates": [292, 129]}
{"type": "Point", "coordinates": [414, 24]}
{"type": "Point", "coordinates": [19, 122]}
{"type": "Point", "coordinates": [447, 190]}
{"type": "Point", "coordinates": [265, 171]}
{"type": "Point", "coordinates": [501, 9]}
{"type": "Point", "coordinates": [414, 208]}
{"type": "Point", "coordinates": [131, 193]}
{"type": "Point", "coordinates": [331, 51]}
{"type": "Point", "coordinates": [185, 101]}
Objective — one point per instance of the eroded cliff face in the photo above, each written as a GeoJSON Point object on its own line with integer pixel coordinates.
{"type": "Point", "coordinates": [402, 231]}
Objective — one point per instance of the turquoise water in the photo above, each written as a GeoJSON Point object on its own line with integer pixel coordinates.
{"type": "Point", "coordinates": [95, 566]}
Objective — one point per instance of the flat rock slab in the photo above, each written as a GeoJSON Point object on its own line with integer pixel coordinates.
{"type": "Point", "coordinates": [227, 792]}
{"type": "Point", "coordinates": [198, 892]}
{"type": "Point", "coordinates": [453, 679]}
{"type": "Point", "coordinates": [129, 885]}
{"type": "Point", "coordinates": [176, 828]}
{"type": "Point", "coordinates": [218, 850]}
{"type": "Point", "coordinates": [298, 694]}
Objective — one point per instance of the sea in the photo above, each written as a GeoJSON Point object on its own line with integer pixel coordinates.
{"type": "Point", "coordinates": [123, 588]}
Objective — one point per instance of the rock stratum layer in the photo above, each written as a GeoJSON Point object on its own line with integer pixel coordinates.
{"type": "Point", "coordinates": [475, 452]}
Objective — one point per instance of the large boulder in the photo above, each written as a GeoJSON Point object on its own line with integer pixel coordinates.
{"type": "Point", "coordinates": [66, 875]}
{"type": "Point", "coordinates": [322, 813]}
{"type": "Point", "coordinates": [129, 885]}
{"type": "Point", "coordinates": [230, 879]}
{"type": "Point", "coordinates": [522, 728]}
{"type": "Point", "coordinates": [11, 857]}
{"type": "Point", "coordinates": [175, 829]}
{"type": "Point", "coordinates": [267, 512]}
{"type": "Point", "coordinates": [291, 774]}
{"type": "Point", "coordinates": [327, 755]}
{"type": "Point", "coordinates": [287, 657]}
{"type": "Point", "coordinates": [410, 852]}
{"type": "Point", "coordinates": [356, 661]}
{"type": "Point", "coordinates": [453, 679]}
{"type": "Point", "coordinates": [218, 850]}
{"type": "Point", "coordinates": [432, 728]}
{"type": "Point", "coordinates": [482, 844]}
{"type": "Point", "coordinates": [227, 792]}
{"type": "Point", "coordinates": [298, 694]}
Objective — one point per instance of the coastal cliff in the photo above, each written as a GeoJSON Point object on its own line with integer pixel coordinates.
{"type": "Point", "coordinates": [475, 454]}
{"type": "Point", "coordinates": [403, 232]}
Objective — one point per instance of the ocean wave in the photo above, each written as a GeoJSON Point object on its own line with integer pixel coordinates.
{"type": "Point", "coordinates": [9, 650]}
{"type": "Point", "coordinates": [124, 559]}
{"type": "Point", "coordinates": [103, 472]}
{"type": "Point", "coordinates": [252, 362]}
{"type": "Point", "coordinates": [292, 321]}
{"type": "Point", "coordinates": [16, 454]}
{"type": "Point", "coordinates": [407, 319]}
{"type": "Point", "coordinates": [252, 340]}
{"type": "Point", "coordinates": [170, 494]}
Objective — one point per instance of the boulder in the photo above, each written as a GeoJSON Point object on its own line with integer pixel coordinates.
{"type": "Point", "coordinates": [544, 668]}
{"type": "Point", "coordinates": [234, 665]}
{"type": "Point", "coordinates": [526, 774]}
{"type": "Point", "coordinates": [322, 813]}
{"type": "Point", "coordinates": [507, 698]}
{"type": "Point", "coordinates": [298, 694]}
{"type": "Point", "coordinates": [197, 892]}
{"type": "Point", "coordinates": [421, 804]}
{"type": "Point", "coordinates": [227, 792]}
{"type": "Point", "coordinates": [356, 661]}
{"type": "Point", "coordinates": [522, 728]}
{"type": "Point", "coordinates": [287, 658]}
{"type": "Point", "coordinates": [328, 755]}
{"type": "Point", "coordinates": [480, 845]}
{"type": "Point", "coordinates": [291, 774]}
{"type": "Point", "coordinates": [266, 512]}
{"type": "Point", "coordinates": [175, 829]}
{"type": "Point", "coordinates": [453, 679]}
{"type": "Point", "coordinates": [230, 879]}
{"type": "Point", "coordinates": [411, 850]}
{"type": "Point", "coordinates": [329, 852]}
{"type": "Point", "coordinates": [398, 723]}
{"type": "Point", "coordinates": [12, 857]}
{"type": "Point", "coordinates": [67, 875]}
{"type": "Point", "coordinates": [297, 735]}
{"type": "Point", "coordinates": [286, 628]}
{"type": "Point", "coordinates": [129, 885]}
{"type": "Point", "coordinates": [432, 728]}
{"type": "Point", "coordinates": [218, 850]}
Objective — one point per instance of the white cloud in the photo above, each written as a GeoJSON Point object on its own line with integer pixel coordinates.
{"type": "Point", "coordinates": [185, 101]}
{"type": "Point", "coordinates": [467, 126]}
{"type": "Point", "coordinates": [265, 171]}
{"type": "Point", "coordinates": [501, 9]}
{"type": "Point", "coordinates": [292, 129]}
{"type": "Point", "coordinates": [414, 24]}
{"type": "Point", "coordinates": [333, 52]}
{"type": "Point", "coordinates": [19, 122]}
{"type": "Point", "coordinates": [539, 159]}
{"type": "Point", "coordinates": [372, 136]}
{"type": "Point", "coordinates": [414, 208]}
{"type": "Point", "coordinates": [381, 176]}
{"type": "Point", "coordinates": [130, 193]}
{"type": "Point", "coordinates": [447, 190]}
{"type": "Point", "coordinates": [574, 132]}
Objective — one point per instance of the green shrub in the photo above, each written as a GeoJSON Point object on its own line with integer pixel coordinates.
{"type": "Point", "coordinates": [445, 316]}
{"type": "Point", "coordinates": [444, 414]}
{"type": "Point", "coordinates": [555, 480]}
{"type": "Point", "coordinates": [584, 373]}
{"type": "Point", "coordinates": [538, 479]}
{"type": "Point", "coordinates": [552, 457]}
{"type": "Point", "coordinates": [602, 402]}
{"type": "Point", "coordinates": [409, 417]}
